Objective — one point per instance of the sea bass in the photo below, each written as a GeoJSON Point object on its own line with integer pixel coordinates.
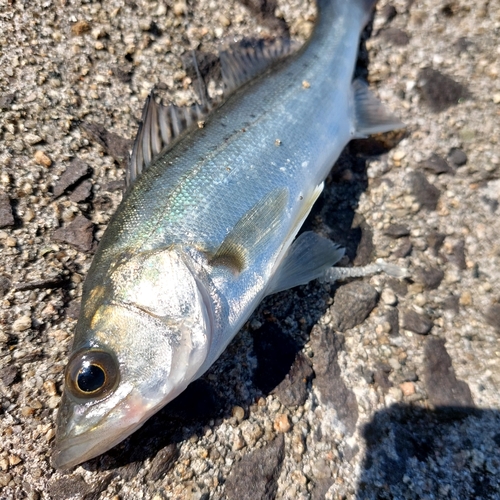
{"type": "Point", "coordinates": [207, 229]}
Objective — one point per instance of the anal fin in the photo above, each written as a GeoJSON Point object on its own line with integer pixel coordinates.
{"type": "Point", "coordinates": [370, 115]}
{"type": "Point", "coordinates": [309, 257]}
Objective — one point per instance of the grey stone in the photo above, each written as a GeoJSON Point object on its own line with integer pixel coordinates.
{"type": "Point", "coordinates": [395, 36]}
{"type": "Point", "coordinates": [78, 234]}
{"type": "Point", "coordinates": [115, 145]}
{"type": "Point", "coordinates": [6, 216]}
{"type": "Point", "coordinates": [437, 165]}
{"type": "Point", "coordinates": [425, 193]}
{"type": "Point", "coordinates": [443, 387]}
{"type": "Point", "coordinates": [430, 277]}
{"type": "Point", "coordinates": [292, 391]}
{"type": "Point", "coordinates": [162, 462]}
{"type": "Point", "coordinates": [492, 316]}
{"type": "Point", "coordinates": [82, 192]}
{"type": "Point", "coordinates": [439, 91]}
{"type": "Point", "coordinates": [397, 231]}
{"type": "Point", "coordinates": [416, 323]}
{"type": "Point", "coordinates": [352, 304]}
{"type": "Point", "coordinates": [256, 474]}
{"type": "Point", "coordinates": [457, 157]}
{"type": "Point", "coordinates": [73, 173]}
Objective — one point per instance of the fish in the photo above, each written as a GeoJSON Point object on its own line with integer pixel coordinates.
{"type": "Point", "coordinates": [208, 227]}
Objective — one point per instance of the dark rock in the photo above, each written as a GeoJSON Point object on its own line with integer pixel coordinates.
{"type": "Point", "coordinates": [256, 474]}
{"type": "Point", "coordinates": [388, 13]}
{"type": "Point", "coordinates": [458, 255]}
{"type": "Point", "coordinates": [492, 316]}
{"type": "Point", "coordinates": [10, 374]}
{"type": "Point", "coordinates": [399, 287]}
{"type": "Point", "coordinates": [55, 282]}
{"type": "Point", "coordinates": [425, 193]}
{"type": "Point", "coordinates": [75, 171]}
{"type": "Point", "coordinates": [496, 438]}
{"type": "Point", "coordinates": [392, 317]}
{"type": "Point", "coordinates": [452, 303]}
{"type": "Point", "coordinates": [73, 310]}
{"type": "Point", "coordinates": [462, 45]}
{"type": "Point", "coordinates": [114, 186]}
{"type": "Point", "coordinates": [78, 234]}
{"type": "Point", "coordinates": [97, 487]}
{"type": "Point", "coordinates": [67, 487]}
{"type": "Point", "coordinates": [292, 391]}
{"type": "Point", "coordinates": [457, 157]}
{"type": "Point", "coordinates": [404, 249]}
{"type": "Point", "coordinates": [82, 192]}
{"type": "Point", "coordinates": [365, 248]}
{"type": "Point", "coordinates": [332, 389]}
{"type": "Point", "coordinates": [395, 36]}
{"type": "Point", "coordinates": [397, 231]}
{"type": "Point", "coordinates": [352, 304]}
{"type": "Point", "coordinates": [115, 145]}
{"type": "Point", "coordinates": [437, 165]}
{"type": "Point", "coordinates": [6, 100]}
{"type": "Point", "coordinates": [416, 323]}
{"type": "Point", "coordinates": [320, 488]}
{"type": "Point", "coordinates": [5, 285]}
{"type": "Point", "coordinates": [6, 216]}
{"type": "Point", "coordinates": [438, 90]}
{"type": "Point", "coordinates": [431, 277]}
{"type": "Point", "coordinates": [381, 376]}
{"type": "Point", "coordinates": [441, 383]}
{"type": "Point", "coordinates": [435, 241]}
{"type": "Point", "coordinates": [124, 75]}
{"type": "Point", "coordinates": [162, 462]}
{"type": "Point", "coordinates": [272, 368]}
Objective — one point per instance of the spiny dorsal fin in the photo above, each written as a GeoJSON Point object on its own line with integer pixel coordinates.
{"type": "Point", "coordinates": [160, 125]}
{"type": "Point", "coordinates": [250, 234]}
{"type": "Point", "coordinates": [244, 60]}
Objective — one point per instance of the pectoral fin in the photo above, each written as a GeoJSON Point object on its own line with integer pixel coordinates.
{"type": "Point", "coordinates": [251, 233]}
{"type": "Point", "coordinates": [307, 259]}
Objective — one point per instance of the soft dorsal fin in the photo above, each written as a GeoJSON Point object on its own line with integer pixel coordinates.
{"type": "Point", "coordinates": [160, 125]}
{"type": "Point", "coordinates": [244, 60]}
{"type": "Point", "coordinates": [250, 234]}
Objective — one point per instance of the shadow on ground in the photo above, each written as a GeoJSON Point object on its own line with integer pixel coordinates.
{"type": "Point", "coordinates": [413, 453]}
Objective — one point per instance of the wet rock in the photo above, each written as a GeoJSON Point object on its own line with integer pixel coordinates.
{"type": "Point", "coordinates": [82, 192]}
{"type": "Point", "coordinates": [115, 145]}
{"type": "Point", "coordinates": [352, 305]}
{"type": "Point", "coordinates": [395, 36]}
{"type": "Point", "coordinates": [256, 474]}
{"type": "Point", "coordinates": [79, 234]}
{"type": "Point", "coordinates": [292, 391]}
{"type": "Point", "coordinates": [425, 193]}
{"type": "Point", "coordinates": [438, 90]}
{"type": "Point", "coordinates": [430, 277]}
{"type": "Point", "coordinates": [162, 462]}
{"type": "Point", "coordinates": [457, 157]}
{"type": "Point", "coordinates": [75, 171]}
{"type": "Point", "coordinates": [442, 386]}
{"type": "Point", "coordinates": [492, 316]}
{"type": "Point", "coordinates": [6, 216]}
{"type": "Point", "coordinates": [332, 389]}
{"type": "Point", "coordinates": [397, 231]}
{"type": "Point", "coordinates": [437, 165]}
{"type": "Point", "coordinates": [416, 323]}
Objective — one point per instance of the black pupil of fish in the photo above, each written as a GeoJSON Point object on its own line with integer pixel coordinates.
{"type": "Point", "coordinates": [90, 378]}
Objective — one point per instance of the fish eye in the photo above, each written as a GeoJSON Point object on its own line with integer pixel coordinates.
{"type": "Point", "coordinates": [92, 374]}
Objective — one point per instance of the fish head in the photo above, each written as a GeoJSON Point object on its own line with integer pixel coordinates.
{"type": "Point", "coordinates": [144, 332]}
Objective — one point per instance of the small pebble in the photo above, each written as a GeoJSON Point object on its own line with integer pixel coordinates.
{"type": "Point", "coordinates": [238, 413]}
{"type": "Point", "coordinates": [389, 297]}
{"type": "Point", "coordinates": [80, 27]}
{"type": "Point", "coordinates": [457, 157]}
{"type": "Point", "coordinates": [42, 159]}
{"type": "Point", "coordinates": [282, 423]}
{"type": "Point", "coordinates": [408, 388]}
{"type": "Point", "coordinates": [21, 324]}
{"type": "Point", "coordinates": [50, 387]}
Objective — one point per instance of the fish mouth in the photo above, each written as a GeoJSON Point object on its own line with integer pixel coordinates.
{"type": "Point", "coordinates": [72, 450]}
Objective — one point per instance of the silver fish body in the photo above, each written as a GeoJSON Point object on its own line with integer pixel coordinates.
{"type": "Point", "coordinates": [206, 231]}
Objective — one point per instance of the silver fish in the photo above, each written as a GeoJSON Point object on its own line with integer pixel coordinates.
{"type": "Point", "coordinates": [207, 229]}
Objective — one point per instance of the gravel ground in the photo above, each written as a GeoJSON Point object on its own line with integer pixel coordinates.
{"type": "Point", "coordinates": [373, 389]}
